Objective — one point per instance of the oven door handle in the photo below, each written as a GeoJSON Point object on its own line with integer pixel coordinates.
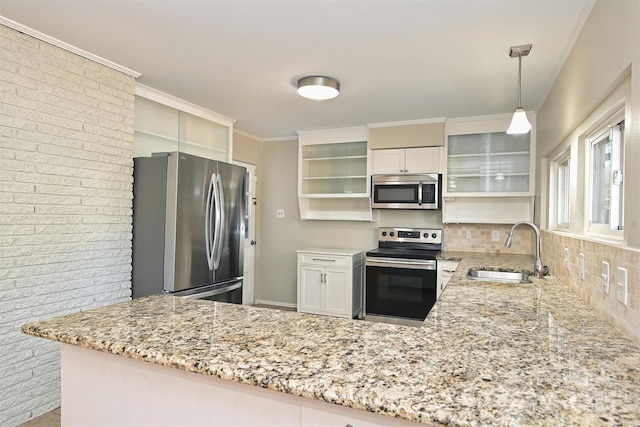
{"type": "Point", "coordinates": [417, 265]}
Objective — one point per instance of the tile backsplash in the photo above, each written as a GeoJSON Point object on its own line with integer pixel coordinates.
{"type": "Point", "coordinates": [624, 317]}
{"type": "Point", "coordinates": [478, 238]}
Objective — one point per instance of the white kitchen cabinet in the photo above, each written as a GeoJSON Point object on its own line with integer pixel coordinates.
{"type": "Point", "coordinates": [446, 268]}
{"type": "Point", "coordinates": [483, 160]}
{"type": "Point", "coordinates": [333, 175]}
{"type": "Point", "coordinates": [489, 175]}
{"type": "Point", "coordinates": [400, 161]}
{"type": "Point", "coordinates": [330, 281]}
{"type": "Point", "coordinates": [164, 123]}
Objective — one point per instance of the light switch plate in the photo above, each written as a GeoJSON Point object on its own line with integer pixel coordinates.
{"type": "Point", "coordinates": [495, 235]}
{"type": "Point", "coordinates": [622, 285]}
{"type": "Point", "coordinates": [566, 258]}
{"type": "Point", "coordinates": [605, 276]}
{"type": "Point", "coordinates": [581, 265]}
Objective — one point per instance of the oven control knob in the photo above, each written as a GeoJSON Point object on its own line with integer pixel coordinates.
{"type": "Point", "coordinates": [384, 233]}
{"type": "Point", "coordinates": [392, 234]}
{"type": "Point", "coordinates": [425, 235]}
{"type": "Point", "coordinates": [434, 235]}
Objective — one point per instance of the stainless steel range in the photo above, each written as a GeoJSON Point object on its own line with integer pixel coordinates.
{"type": "Point", "coordinates": [401, 274]}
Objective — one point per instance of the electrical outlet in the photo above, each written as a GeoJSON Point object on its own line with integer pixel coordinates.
{"type": "Point", "coordinates": [279, 213]}
{"type": "Point", "coordinates": [622, 285]}
{"type": "Point", "coordinates": [605, 277]}
{"type": "Point", "coordinates": [495, 235]}
{"type": "Point", "coordinates": [581, 265]}
{"type": "Point", "coordinates": [566, 258]}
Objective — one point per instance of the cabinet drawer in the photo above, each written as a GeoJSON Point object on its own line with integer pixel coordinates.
{"type": "Point", "coordinates": [323, 259]}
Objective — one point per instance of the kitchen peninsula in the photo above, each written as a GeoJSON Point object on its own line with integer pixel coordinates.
{"type": "Point", "coordinates": [487, 354]}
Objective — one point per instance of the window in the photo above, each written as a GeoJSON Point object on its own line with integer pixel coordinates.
{"type": "Point", "coordinates": [605, 208]}
{"type": "Point", "coordinates": [562, 190]}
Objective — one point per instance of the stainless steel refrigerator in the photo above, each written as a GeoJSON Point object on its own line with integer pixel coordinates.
{"type": "Point", "coordinates": [188, 227]}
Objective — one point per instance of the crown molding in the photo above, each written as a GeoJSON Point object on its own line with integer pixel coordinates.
{"type": "Point", "coordinates": [66, 46]}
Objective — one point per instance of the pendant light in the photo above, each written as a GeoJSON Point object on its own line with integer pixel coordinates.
{"type": "Point", "coordinates": [519, 123]}
{"type": "Point", "coordinates": [318, 87]}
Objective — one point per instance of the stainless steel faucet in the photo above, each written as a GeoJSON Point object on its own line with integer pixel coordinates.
{"type": "Point", "coordinates": [538, 270]}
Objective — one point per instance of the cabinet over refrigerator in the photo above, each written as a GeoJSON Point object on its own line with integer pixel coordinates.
{"type": "Point", "coordinates": [188, 227]}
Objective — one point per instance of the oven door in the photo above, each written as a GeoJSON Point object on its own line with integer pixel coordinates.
{"type": "Point", "coordinates": [400, 288]}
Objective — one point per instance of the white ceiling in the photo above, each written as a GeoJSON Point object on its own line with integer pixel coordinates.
{"type": "Point", "coordinates": [396, 60]}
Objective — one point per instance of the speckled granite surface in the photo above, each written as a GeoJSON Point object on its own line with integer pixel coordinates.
{"type": "Point", "coordinates": [488, 354]}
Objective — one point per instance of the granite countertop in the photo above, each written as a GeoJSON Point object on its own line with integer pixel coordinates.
{"type": "Point", "coordinates": [488, 353]}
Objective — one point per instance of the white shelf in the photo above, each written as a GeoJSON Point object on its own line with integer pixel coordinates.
{"type": "Point", "coordinates": [312, 159]}
{"type": "Point", "coordinates": [484, 175]}
{"type": "Point", "coordinates": [333, 175]}
{"type": "Point", "coordinates": [504, 153]}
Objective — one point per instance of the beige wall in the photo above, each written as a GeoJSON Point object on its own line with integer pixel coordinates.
{"type": "Point", "coordinates": [279, 239]}
{"type": "Point", "coordinates": [608, 44]}
{"type": "Point", "coordinates": [605, 53]}
{"type": "Point", "coordinates": [246, 149]}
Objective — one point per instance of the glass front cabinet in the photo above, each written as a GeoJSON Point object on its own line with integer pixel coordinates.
{"type": "Point", "coordinates": [490, 175]}
{"type": "Point", "coordinates": [333, 174]}
{"type": "Point", "coordinates": [164, 123]}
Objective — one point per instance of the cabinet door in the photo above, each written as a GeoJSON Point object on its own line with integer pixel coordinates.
{"type": "Point", "coordinates": [422, 160]}
{"type": "Point", "coordinates": [388, 161]}
{"type": "Point", "coordinates": [335, 291]}
{"type": "Point", "coordinates": [310, 289]}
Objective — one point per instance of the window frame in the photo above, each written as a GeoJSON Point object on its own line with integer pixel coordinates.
{"type": "Point", "coordinates": [561, 190]}
{"type": "Point", "coordinates": [614, 228]}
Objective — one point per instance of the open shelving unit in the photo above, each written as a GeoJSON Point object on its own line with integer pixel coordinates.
{"type": "Point", "coordinates": [333, 175]}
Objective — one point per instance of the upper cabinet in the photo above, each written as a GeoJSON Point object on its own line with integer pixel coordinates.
{"type": "Point", "coordinates": [489, 175]}
{"type": "Point", "coordinates": [164, 123]}
{"type": "Point", "coordinates": [482, 160]}
{"type": "Point", "coordinates": [401, 161]}
{"type": "Point", "coordinates": [333, 174]}
{"type": "Point", "coordinates": [407, 147]}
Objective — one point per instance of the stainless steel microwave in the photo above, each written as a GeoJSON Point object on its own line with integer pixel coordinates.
{"type": "Point", "coordinates": [419, 191]}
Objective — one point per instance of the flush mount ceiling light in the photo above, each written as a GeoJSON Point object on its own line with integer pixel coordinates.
{"type": "Point", "coordinates": [318, 87]}
{"type": "Point", "coordinates": [519, 123]}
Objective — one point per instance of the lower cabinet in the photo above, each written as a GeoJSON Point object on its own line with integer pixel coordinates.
{"type": "Point", "coordinates": [330, 281]}
{"type": "Point", "coordinates": [446, 268]}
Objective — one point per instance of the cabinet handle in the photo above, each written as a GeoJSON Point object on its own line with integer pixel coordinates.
{"type": "Point", "coordinates": [324, 259]}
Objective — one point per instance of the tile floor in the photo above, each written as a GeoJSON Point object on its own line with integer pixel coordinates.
{"type": "Point", "coordinates": [50, 419]}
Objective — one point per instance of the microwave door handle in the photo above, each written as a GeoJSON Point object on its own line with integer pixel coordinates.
{"type": "Point", "coordinates": [420, 194]}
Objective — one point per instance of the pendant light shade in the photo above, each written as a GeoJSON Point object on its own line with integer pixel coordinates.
{"type": "Point", "coordinates": [519, 122]}
{"type": "Point", "coordinates": [318, 87]}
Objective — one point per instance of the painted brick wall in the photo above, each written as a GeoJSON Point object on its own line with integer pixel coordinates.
{"type": "Point", "coordinates": [66, 134]}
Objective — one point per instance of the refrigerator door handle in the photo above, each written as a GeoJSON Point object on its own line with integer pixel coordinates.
{"type": "Point", "coordinates": [221, 226]}
{"type": "Point", "coordinates": [207, 223]}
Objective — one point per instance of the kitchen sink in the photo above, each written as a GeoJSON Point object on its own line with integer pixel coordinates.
{"type": "Point", "coordinates": [498, 276]}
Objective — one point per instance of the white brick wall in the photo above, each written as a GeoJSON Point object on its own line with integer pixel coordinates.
{"type": "Point", "coordinates": [66, 135]}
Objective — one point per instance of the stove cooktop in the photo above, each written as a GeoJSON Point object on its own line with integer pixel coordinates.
{"type": "Point", "coordinates": [407, 243]}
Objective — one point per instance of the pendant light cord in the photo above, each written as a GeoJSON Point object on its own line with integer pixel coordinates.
{"type": "Point", "coordinates": [519, 81]}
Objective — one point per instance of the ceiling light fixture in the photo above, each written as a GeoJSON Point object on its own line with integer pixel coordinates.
{"type": "Point", "coordinates": [318, 87]}
{"type": "Point", "coordinates": [519, 123]}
